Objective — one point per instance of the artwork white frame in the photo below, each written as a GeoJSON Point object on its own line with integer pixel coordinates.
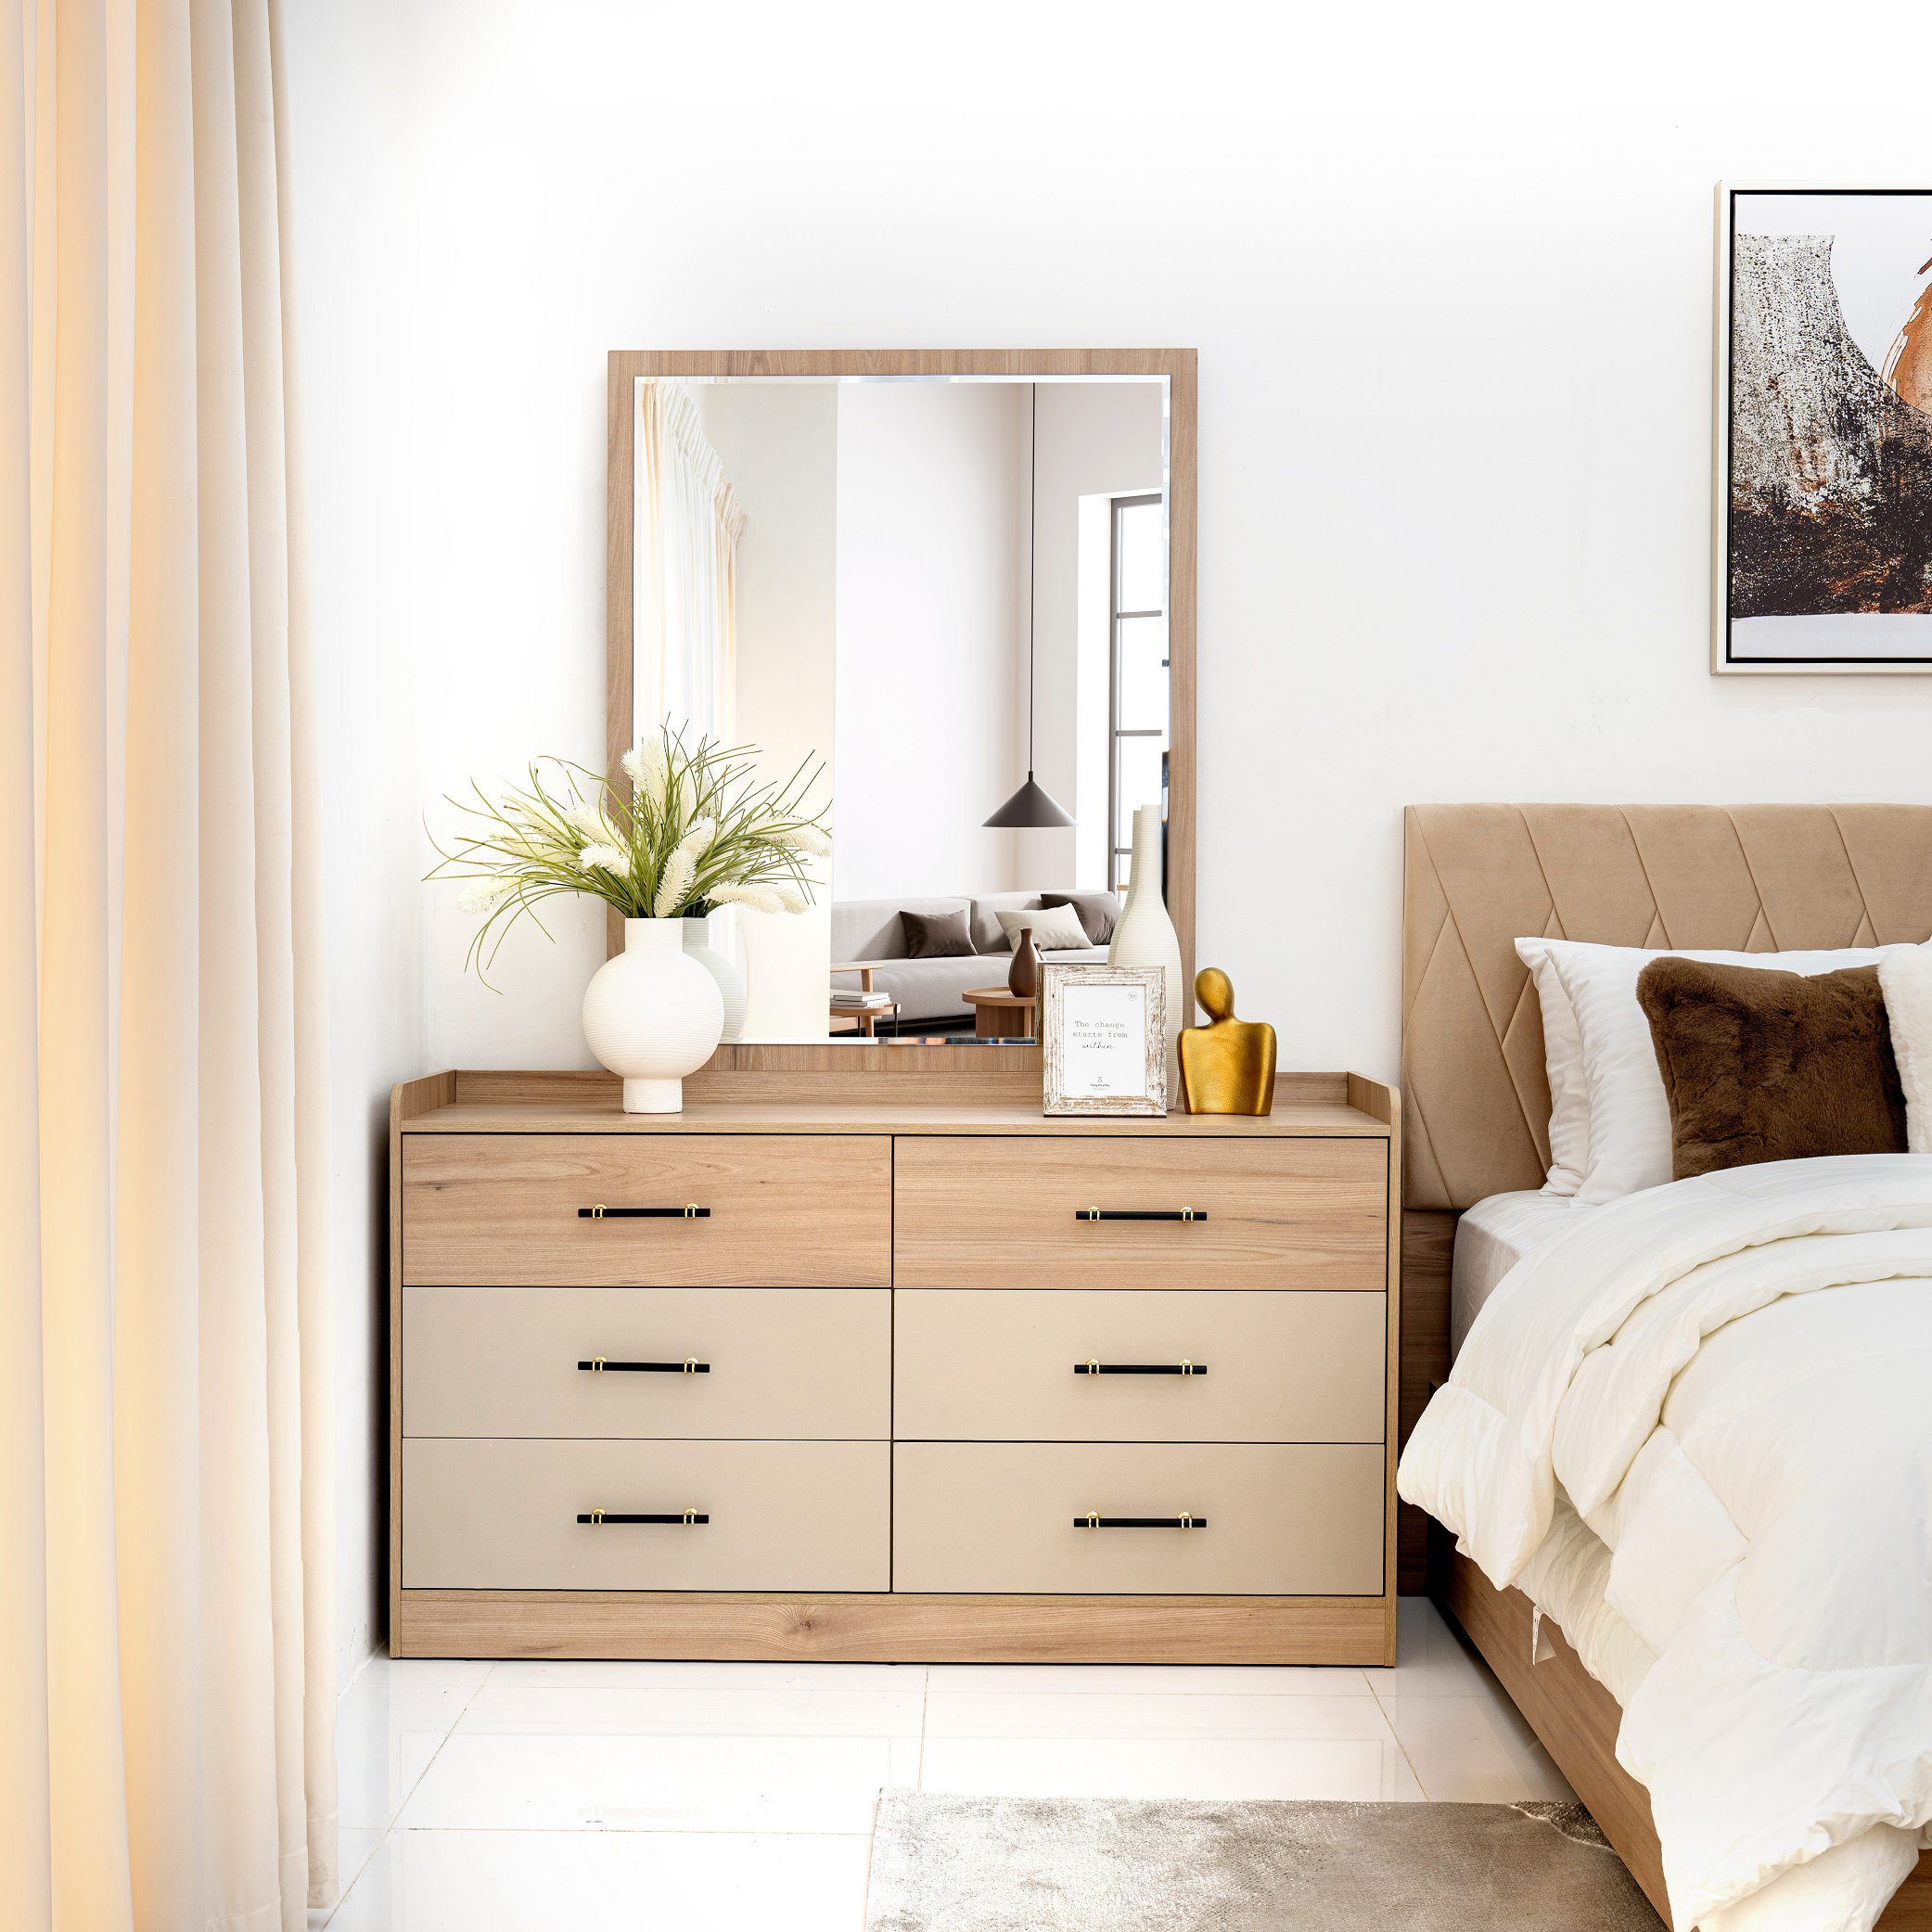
{"type": "Point", "coordinates": [1103, 1039]}
{"type": "Point", "coordinates": [1730, 656]}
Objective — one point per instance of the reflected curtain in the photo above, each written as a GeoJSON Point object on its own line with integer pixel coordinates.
{"type": "Point", "coordinates": [689, 523]}
{"type": "Point", "coordinates": [166, 1514]}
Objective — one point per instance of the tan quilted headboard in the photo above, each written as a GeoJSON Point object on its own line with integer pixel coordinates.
{"type": "Point", "coordinates": [1756, 878]}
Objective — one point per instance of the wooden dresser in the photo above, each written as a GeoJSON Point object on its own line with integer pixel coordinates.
{"type": "Point", "coordinates": [880, 1364]}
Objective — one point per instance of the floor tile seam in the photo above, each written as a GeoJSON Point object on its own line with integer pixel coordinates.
{"type": "Point", "coordinates": [441, 1745]}
{"type": "Point", "coordinates": [908, 1730]}
{"type": "Point", "coordinates": [925, 1719]}
{"type": "Point", "coordinates": [611, 1831]}
{"type": "Point", "coordinates": [354, 1879]}
{"type": "Point", "coordinates": [1477, 1696]}
{"type": "Point", "coordinates": [1388, 1724]}
{"type": "Point", "coordinates": [1361, 1689]}
{"type": "Point", "coordinates": [1204, 1740]}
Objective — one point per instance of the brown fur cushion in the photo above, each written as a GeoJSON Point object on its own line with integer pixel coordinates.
{"type": "Point", "coordinates": [1760, 1065]}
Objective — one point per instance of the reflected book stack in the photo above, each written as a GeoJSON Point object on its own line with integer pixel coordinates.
{"type": "Point", "coordinates": [855, 1002]}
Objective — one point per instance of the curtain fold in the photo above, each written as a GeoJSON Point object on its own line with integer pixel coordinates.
{"type": "Point", "coordinates": [166, 1578]}
{"type": "Point", "coordinates": [685, 607]}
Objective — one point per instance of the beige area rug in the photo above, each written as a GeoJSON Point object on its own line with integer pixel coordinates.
{"type": "Point", "coordinates": [1034, 1864]}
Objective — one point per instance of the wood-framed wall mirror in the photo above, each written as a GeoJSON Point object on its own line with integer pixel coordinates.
{"type": "Point", "coordinates": [935, 573]}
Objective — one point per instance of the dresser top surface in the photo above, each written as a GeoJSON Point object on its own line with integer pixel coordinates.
{"type": "Point", "coordinates": [1306, 1106]}
{"type": "Point", "coordinates": [1285, 1122]}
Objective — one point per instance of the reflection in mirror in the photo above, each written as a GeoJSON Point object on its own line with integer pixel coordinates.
{"type": "Point", "coordinates": [933, 585]}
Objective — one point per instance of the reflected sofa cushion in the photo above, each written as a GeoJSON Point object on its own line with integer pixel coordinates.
{"type": "Point", "coordinates": [936, 935]}
{"type": "Point", "coordinates": [1098, 911]}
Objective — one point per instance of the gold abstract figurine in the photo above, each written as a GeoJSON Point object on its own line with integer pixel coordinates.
{"type": "Point", "coordinates": [1227, 1066]}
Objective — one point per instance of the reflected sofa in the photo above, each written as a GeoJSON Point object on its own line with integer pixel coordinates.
{"type": "Point", "coordinates": [929, 991]}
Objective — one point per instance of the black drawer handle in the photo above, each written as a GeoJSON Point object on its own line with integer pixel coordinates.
{"type": "Point", "coordinates": [1139, 1214]}
{"type": "Point", "coordinates": [602, 1364]}
{"type": "Point", "coordinates": [1182, 1367]}
{"type": "Point", "coordinates": [1182, 1519]}
{"type": "Point", "coordinates": [689, 1211]}
{"type": "Point", "coordinates": [687, 1516]}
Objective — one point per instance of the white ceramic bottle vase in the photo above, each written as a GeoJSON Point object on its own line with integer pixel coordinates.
{"type": "Point", "coordinates": [722, 967]}
{"type": "Point", "coordinates": [1145, 936]}
{"type": "Point", "coordinates": [653, 1015]}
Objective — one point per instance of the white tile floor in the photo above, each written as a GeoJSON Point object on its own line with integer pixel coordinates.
{"type": "Point", "coordinates": [721, 1798]}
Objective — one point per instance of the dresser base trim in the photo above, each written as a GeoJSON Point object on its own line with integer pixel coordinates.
{"type": "Point", "coordinates": [897, 1629]}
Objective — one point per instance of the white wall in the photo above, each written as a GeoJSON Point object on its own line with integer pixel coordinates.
{"type": "Point", "coordinates": [932, 508]}
{"type": "Point", "coordinates": [779, 445]}
{"type": "Point", "coordinates": [1450, 273]}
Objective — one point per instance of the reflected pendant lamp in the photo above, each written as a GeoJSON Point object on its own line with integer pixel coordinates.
{"type": "Point", "coordinates": [1032, 806]}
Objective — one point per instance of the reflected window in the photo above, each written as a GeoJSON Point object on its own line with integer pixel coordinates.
{"type": "Point", "coordinates": [1138, 700]}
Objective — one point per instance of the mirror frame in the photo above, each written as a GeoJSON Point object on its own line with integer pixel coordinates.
{"type": "Point", "coordinates": [1017, 366]}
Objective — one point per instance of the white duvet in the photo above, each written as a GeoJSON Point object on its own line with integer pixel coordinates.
{"type": "Point", "coordinates": [1730, 1380]}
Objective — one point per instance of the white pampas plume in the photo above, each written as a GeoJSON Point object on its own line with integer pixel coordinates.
{"type": "Point", "coordinates": [681, 868]}
{"type": "Point", "coordinates": [596, 827]}
{"type": "Point", "coordinates": [605, 858]}
{"type": "Point", "coordinates": [791, 899]}
{"type": "Point", "coordinates": [645, 766]}
{"type": "Point", "coordinates": [761, 898]}
{"type": "Point", "coordinates": [801, 838]}
{"type": "Point", "coordinates": [484, 895]}
{"type": "Point", "coordinates": [632, 766]}
{"type": "Point", "coordinates": [679, 871]}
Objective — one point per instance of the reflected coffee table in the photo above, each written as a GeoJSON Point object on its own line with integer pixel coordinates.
{"type": "Point", "coordinates": [999, 1013]}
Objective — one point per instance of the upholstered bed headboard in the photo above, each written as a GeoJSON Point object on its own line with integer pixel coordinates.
{"type": "Point", "coordinates": [1755, 878]}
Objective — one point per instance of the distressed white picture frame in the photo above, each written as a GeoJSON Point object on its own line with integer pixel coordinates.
{"type": "Point", "coordinates": [1075, 1063]}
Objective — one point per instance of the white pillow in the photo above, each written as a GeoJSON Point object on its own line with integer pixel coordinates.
{"type": "Point", "coordinates": [1056, 929]}
{"type": "Point", "coordinates": [1905, 980]}
{"type": "Point", "coordinates": [1563, 1060]}
{"type": "Point", "coordinates": [1629, 1119]}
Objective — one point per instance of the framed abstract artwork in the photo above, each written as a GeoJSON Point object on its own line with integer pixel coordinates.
{"type": "Point", "coordinates": [1823, 558]}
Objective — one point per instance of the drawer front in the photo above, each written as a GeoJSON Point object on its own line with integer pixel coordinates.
{"type": "Point", "coordinates": [999, 1517]}
{"type": "Point", "coordinates": [777, 1363]}
{"type": "Point", "coordinates": [785, 1211]}
{"type": "Point", "coordinates": [783, 1516]}
{"type": "Point", "coordinates": [1002, 1365]}
{"type": "Point", "coordinates": [992, 1212]}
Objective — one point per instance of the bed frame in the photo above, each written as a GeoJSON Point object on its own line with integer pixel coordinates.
{"type": "Point", "coordinates": [1756, 878]}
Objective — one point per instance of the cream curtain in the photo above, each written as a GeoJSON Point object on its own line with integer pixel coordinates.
{"type": "Point", "coordinates": [688, 524]}
{"type": "Point", "coordinates": [166, 1532]}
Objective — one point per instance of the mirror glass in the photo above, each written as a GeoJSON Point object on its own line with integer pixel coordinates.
{"type": "Point", "coordinates": [933, 588]}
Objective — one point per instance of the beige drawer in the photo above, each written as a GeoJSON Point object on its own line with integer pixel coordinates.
{"type": "Point", "coordinates": [778, 1362]}
{"type": "Point", "coordinates": [783, 1516]}
{"type": "Point", "coordinates": [1002, 1365]}
{"type": "Point", "coordinates": [984, 1211]}
{"type": "Point", "coordinates": [785, 1210]}
{"type": "Point", "coordinates": [1303, 1520]}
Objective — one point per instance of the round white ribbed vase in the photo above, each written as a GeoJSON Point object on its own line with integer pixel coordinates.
{"type": "Point", "coordinates": [1145, 936]}
{"type": "Point", "coordinates": [723, 969]}
{"type": "Point", "coordinates": [653, 1015]}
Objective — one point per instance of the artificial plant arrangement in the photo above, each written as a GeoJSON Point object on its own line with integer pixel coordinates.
{"type": "Point", "coordinates": [692, 832]}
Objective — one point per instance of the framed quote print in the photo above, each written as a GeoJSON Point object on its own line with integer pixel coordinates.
{"type": "Point", "coordinates": [1824, 516]}
{"type": "Point", "coordinates": [1102, 1037]}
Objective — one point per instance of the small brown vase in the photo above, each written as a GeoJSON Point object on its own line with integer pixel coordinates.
{"type": "Point", "coordinates": [1024, 976]}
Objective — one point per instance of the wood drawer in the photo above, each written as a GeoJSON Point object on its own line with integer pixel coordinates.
{"type": "Point", "coordinates": [987, 1211]}
{"type": "Point", "coordinates": [787, 1210]}
{"type": "Point", "coordinates": [780, 1362]}
{"type": "Point", "coordinates": [999, 1517]}
{"type": "Point", "coordinates": [999, 1364]}
{"type": "Point", "coordinates": [783, 1516]}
